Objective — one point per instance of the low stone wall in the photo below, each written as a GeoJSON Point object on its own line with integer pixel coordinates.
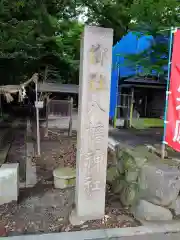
{"type": "Point", "coordinates": [146, 184]}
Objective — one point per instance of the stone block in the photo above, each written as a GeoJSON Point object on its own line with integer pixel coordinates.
{"type": "Point", "coordinates": [175, 206]}
{"type": "Point", "coordinates": [159, 183]}
{"type": "Point", "coordinates": [128, 193]}
{"type": "Point", "coordinates": [9, 183]}
{"type": "Point", "coordinates": [132, 158]}
{"type": "Point", "coordinates": [112, 174]}
{"type": "Point", "coordinates": [93, 122]}
{"type": "Point", "coordinates": [64, 177]}
{"type": "Point", "coordinates": [131, 175]}
{"type": "Point", "coordinates": [149, 212]}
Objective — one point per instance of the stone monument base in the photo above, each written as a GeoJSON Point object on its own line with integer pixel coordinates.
{"type": "Point", "coordinates": [75, 220]}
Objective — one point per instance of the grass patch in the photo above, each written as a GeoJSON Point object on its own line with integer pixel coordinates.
{"type": "Point", "coordinates": [144, 123]}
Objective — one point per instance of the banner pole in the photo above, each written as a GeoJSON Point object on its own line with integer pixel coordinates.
{"type": "Point", "coordinates": [167, 93]}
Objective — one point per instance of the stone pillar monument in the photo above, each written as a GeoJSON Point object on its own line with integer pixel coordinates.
{"type": "Point", "coordinates": [93, 120]}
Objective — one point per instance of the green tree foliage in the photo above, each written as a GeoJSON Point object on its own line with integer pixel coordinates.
{"type": "Point", "coordinates": [154, 15]}
{"type": "Point", "coordinates": [150, 17]}
{"type": "Point", "coordinates": [155, 18]}
{"type": "Point", "coordinates": [109, 13]}
{"type": "Point", "coordinates": [42, 34]}
{"type": "Point", "coordinates": [34, 35]}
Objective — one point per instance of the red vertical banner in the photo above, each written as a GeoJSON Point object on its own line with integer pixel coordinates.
{"type": "Point", "coordinates": [172, 133]}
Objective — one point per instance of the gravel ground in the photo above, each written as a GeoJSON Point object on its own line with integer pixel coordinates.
{"type": "Point", "coordinates": [43, 209]}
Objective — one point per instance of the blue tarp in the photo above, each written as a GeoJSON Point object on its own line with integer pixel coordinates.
{"type": "Point", "coordinates": [129, 44]}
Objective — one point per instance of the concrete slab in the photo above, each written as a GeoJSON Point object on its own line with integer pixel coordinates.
{"type": "Point", "coordinates": [97, 235]}
{"type": "Point", "coordinates": [142, 230]}
{"type": "Point", "coordinates": [165, 232]}
{"type": "Point", "coordinates": [159, 224]}
{"type": "Point", "coordinates": [9, 182]}
{"type": "Point", "coordinates": [159, 236]}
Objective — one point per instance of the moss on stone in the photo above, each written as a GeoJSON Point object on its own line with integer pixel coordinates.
{"type": "Point", "coordinates": [129, 194]}
{"type": "Point", "coordinates": [131, 175]}
{"type": "Point", "coordinates": [65, 173]}
{"type": "Point", "coordinates": [112, 173]}
{"type": "Point", "coordinates": [129, 162]}
{"type": "Point", "coordinates": [70, 182]}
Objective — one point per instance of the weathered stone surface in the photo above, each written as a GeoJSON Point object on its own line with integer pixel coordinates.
{"type": "Point", "coordinates": [175, 206]}
{"type": "Point", "coordinates": [133, 158]}
{"type": "Point", "coordinates": [64, 177]}
{"type": "Point", "coordinates": [147, 211]}
{"type": "Point", "coordinates": [129, 163]}
{"type": "Point", "coordinates": [112, 143]}
{"type": "Point", "coordinates": [131, 175]}
{"type": "Point", "coordinates": [93, 120]}
{"type": "Point", "coordinates": [74, 219]}
{"type": "Point", "coordinates": [128, 193]}
{"type": "Point", "coordinates": [143, 175]}
{"type": "Point", "coordinates": [159, 183]}
{"type": "Point", "coordinates": [9, 183]}
{"type": "Point", "coordinates": [112, 173]}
